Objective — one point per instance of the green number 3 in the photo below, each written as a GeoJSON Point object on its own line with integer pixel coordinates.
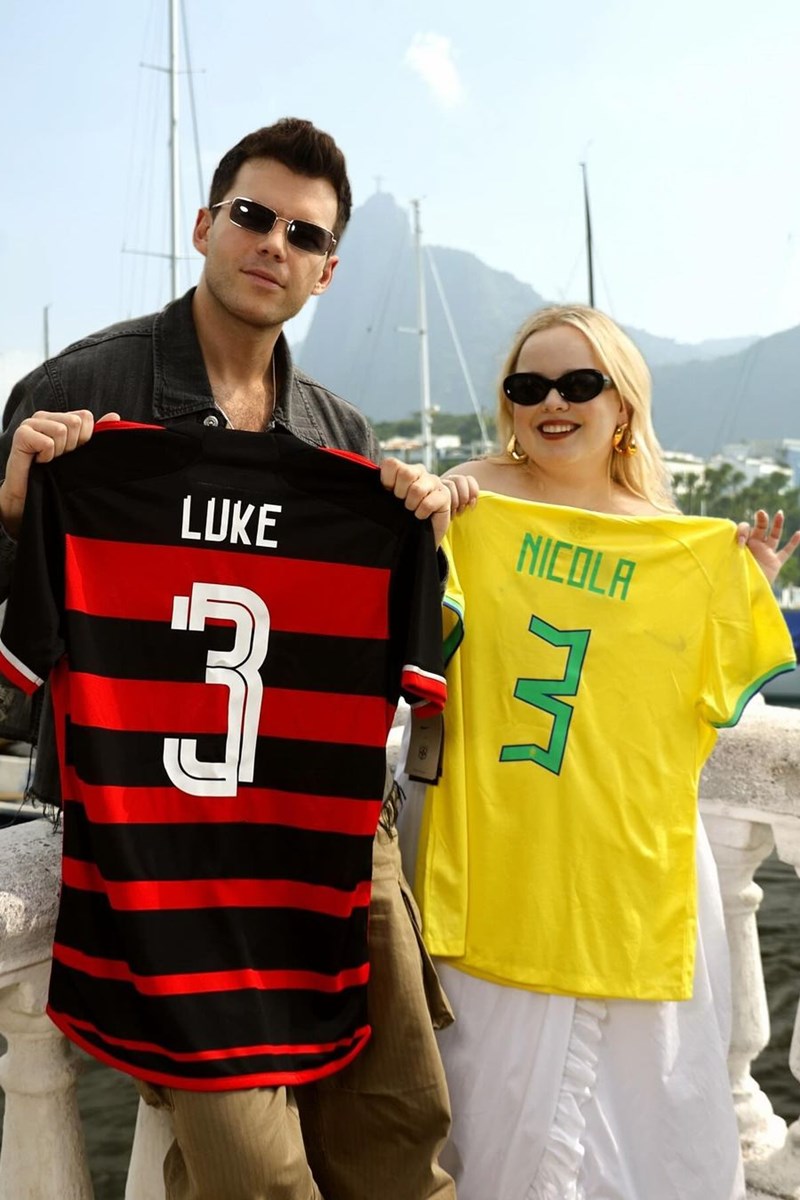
{"type": "Point", "coordinates": [544, 693]}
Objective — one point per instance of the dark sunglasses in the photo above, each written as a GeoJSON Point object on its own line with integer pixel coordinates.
{"type": "Point", "coordinates": [527, 388]}
{"type": "Point", "coordinates": [257, 218]}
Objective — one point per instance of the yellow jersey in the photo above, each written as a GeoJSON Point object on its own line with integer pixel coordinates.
{"type": "Point", "coordinates": [593, 659]}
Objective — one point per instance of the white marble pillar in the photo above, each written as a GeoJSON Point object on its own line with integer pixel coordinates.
{"type": "Point", "coordinates": [779, 1173]}
{"type": "Point", "coordinates": [43, 1155]}
{"type": "Point", "coordinates": [739, 849]}
{"type": "Point", "coordinates": [787, 840]}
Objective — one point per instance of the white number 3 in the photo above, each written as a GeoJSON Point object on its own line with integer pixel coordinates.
{"type": "Point", "coordinates": [237, 668]}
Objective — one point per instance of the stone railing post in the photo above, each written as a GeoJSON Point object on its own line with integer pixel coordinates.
{"type": "Point", "coordinates": [43, 1154]}
{"type": "Point", "coordinates": [739, 849]}
{"type": "Point", "coordinates": [779, 1173]}
{"type": "Point", "coordinates": [750, 800]}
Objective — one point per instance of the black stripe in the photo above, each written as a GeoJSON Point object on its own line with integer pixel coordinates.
{"type": "Point", "coordinates": [210, 1019]}
{"type": "Point", "coordinates": [133, 507]}
{"type": "Point", "coordinates": [241, 1067]}
{"type": "Point", "coordinates": [117, 648]}
{"type": "Point", "coordinates": [102, 756]}
{"type": "Point", "coordinates": [164, 943]}
{"type": "Point", "coordinates": [218, 851]}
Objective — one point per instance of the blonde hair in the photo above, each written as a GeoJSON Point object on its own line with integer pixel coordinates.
{"type": "Point", "coordinates": [644, 473]}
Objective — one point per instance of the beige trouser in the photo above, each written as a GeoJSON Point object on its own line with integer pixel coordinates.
{"type": "Point", "coordinates": [240, 1145]}
{"type": "Point", "coordinates": [372, 1131]}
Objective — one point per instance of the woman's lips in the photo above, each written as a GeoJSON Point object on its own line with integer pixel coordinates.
{"type": "Point", "coordinates": [556, 429]}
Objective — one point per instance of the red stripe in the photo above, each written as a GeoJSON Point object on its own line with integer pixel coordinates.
{"type": "Point", "coordinates": [128, 580]}
{"type": "Point", "coordinates": [108, 426]}
{"type": "Point", "coordinates": [105, 804]}
{"type": "Point", "coordinates": [197, 708]}
{"type": "Point", "coordinates": [195, 982]}
{"type": "Point", "coordinates": [16, 677]}
{"type": "Point", "coordinates": [219, 1084]}
{"type": "Point", "coordinates": [213, 1055]}
{"type": "Point", "coordinates": [351, 455]}
{"type": "Point", "coordinates": [430, 688]}
{"type": "Point", "coordinates": [149, 894]}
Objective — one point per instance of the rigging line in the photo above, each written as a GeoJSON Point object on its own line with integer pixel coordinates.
{"type": "Point", "coordinates": [143, 279]}
{"type": "Point", "coordinates": [606, 288]}
{"type": "Point", "coordinates": [373, 331]}
{"type": "Point", "coordinates": [562, 292]}
{"type": "Point", "coordinates": [462, 362]}
{"type": "Point", "coordinates": [146, 212]}
{"type": "Point", "coordinates": [128, 206]}
{"type": "Point", "coordinates": [730, 412]}
{"type": "Point", "coordinates": [183, 266]}
{"type": "Point", "coordinates": [147, 116]}
{"type": "Point", "coordinates": [192, 106]}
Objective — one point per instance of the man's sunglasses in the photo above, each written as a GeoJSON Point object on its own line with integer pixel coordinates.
{"type": "Point", "coordinates": [257, 218]}
{"type": "Point", "coordinates": [528, 388]}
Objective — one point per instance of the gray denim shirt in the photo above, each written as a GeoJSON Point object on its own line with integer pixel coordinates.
{"type": "Point", "coordinates": [151, 369]}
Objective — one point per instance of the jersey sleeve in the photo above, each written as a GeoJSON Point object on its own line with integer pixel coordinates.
{"type": "Point", "coordinates": [747, 639]}
{"type": "Point", "coordinates": [416, 621]}
{"type": "Point", "coordinates": [452, 605]}
{"type": "Point", "coordinates": [31, 641]}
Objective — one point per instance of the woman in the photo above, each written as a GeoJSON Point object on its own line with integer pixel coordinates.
{"type": "Point", "coordinates": [605, 637]}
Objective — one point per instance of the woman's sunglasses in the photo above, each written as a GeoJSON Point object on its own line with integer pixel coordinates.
{"type": "Point", "coordinates": [528, 388]}
{"type": "Point", "coordinates": [247, 214]}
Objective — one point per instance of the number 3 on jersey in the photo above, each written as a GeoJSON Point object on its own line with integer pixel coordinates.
{"type": "Point", "coordinates": [543, 693]}
{"type": "Point", "coordinates": [237, 669]}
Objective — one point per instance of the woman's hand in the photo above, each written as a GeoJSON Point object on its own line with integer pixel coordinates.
{"type": "Point", "coordinates": [763, 539]}
{"type": "Point", "coordinates": [464, 491]}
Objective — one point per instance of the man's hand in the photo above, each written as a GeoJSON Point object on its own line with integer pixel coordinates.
{"type": "Point", "coordinates": [422, 493]}
{"type": "Point", "coordinates": [763, 540]}
{"type": "Point", "coordinates": [40, 438]}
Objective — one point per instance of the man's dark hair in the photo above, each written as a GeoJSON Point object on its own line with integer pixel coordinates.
{"type": "Point", "coordinates": [301, 147]}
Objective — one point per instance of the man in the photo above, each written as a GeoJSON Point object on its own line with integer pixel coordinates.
{"type": "Point", "coordinates": [279, 203]}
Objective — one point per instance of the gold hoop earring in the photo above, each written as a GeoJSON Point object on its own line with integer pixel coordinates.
{"type": "Point", "coordinates": [623, 441]}
{"type": "Point", "coordinates": [515, 451]}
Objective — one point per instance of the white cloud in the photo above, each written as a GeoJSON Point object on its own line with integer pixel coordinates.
{"type": "Point", "coordinates": [430, 55]}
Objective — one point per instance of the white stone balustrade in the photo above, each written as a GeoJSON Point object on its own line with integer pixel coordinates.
{"type": "Point", "coordinates": [43, 1154]}
{"type": "Point", "coordinates": [750, 802]}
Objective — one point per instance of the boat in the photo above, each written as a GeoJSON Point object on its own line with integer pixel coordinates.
{"type": "Point", "coordinates": [785, 688]}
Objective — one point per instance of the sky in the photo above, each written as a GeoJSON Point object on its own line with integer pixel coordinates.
{"type": "Point", "coordinates": [685, 115]}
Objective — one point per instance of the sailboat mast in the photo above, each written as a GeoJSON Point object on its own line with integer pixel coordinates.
{"type": "Point", "coordinates": [424, 364]}
{"type": "Point", "coordinates": [589, 256]}
{"type": "Point", "coordinates": [174, 146]}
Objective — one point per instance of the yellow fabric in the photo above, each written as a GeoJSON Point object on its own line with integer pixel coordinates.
{"type": "Point", "coordinates": [557, 850]}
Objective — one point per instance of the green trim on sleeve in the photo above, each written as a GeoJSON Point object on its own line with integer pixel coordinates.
{"type": "Point", "coordinates": [747, 695]}
{"type": "Point", "coordinates": [455, 636]}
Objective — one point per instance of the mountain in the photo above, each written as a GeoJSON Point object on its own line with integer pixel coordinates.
{"type": "Point", "coordinates": [661, 351]}
{"type": "Point", "coordinates": [355, 343]}
{"type": "Point", "coordinates": [705, 394]}
{"type": "Point", "coordinates": [755, 394]}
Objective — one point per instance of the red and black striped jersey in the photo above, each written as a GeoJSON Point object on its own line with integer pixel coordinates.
{"type": "Point", "coordinates": [227, 620]}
